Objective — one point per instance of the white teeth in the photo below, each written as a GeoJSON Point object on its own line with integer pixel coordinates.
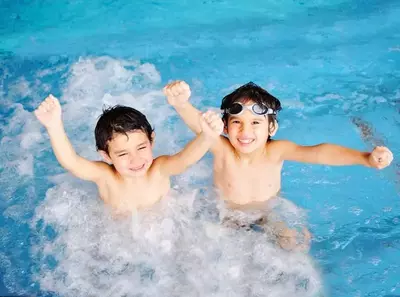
{"type": "Point", "coordinates": [245, 141]}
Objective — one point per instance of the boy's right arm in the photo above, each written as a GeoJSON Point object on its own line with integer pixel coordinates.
{"type": "Point", "coordinates": [49, 114]}
{"type": "Point", "coordinates": [178, 94]}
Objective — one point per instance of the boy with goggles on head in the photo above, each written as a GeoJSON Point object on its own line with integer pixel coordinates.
{"type": "Point", "coordinates": [248, 163]}
{"type": "Point", "coordinates": [237, 108]}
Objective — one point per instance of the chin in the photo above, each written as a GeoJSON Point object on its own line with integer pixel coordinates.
{"type": "Point", "coordinates": [245, 150]}
{"type": "Point", "coordinates": [139, 173]}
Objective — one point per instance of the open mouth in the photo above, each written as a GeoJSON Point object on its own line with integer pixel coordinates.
{"type": "Point", "coordinates": [245, 141]}
{"type": "Point", "coordinates": [138, 168]}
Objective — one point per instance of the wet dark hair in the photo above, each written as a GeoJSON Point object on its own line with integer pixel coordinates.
{"type": "Point", "coordinates": [119, 119]}
{"type": "Point", "coordinates": [251, 92]}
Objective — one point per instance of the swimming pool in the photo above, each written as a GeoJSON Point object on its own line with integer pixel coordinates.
{"type": "Point", "coordinates": [334, 66]}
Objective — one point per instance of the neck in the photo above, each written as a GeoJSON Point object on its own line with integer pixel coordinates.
{"type": "Point", "coordinates": [252, 157]}
{"type": "Point", "coordinates": [132, 179]}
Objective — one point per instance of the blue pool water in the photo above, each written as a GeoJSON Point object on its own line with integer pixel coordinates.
{"type": "Point", "coordinates": [335, 66]}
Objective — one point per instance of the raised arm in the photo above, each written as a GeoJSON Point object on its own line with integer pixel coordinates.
{"type": "Point", "coordinates": [211, 127]}
{"type": "Point", "coordinates": [331, 154]}
{"type": "Point", "coordinates": [178, 94]}
{"type": "Point", "coordinates": [49, 114]}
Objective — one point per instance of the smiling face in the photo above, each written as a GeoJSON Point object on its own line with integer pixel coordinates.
{"type": "Point", "coordinates": [130, 153]}
{"type": "Point", "coordinates": [249, 128]}
{"type": "Point", "coordinates": [247, 131]}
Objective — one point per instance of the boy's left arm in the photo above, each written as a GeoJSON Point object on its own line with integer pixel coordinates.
{"type": "Point", "coordinates": [212, 127]}
{"type": "Point", "coordinates": [336, 155]}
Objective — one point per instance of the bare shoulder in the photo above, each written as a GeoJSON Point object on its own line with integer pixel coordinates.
{"type": "Point", "coordinates": [281, 143]}
{"type": "Point", "coordinates": [103, 166]}
{"type": "Point", "coordinates": [107, 179]}
{"type": "Point", "coordinates": [159, 164]}
{"type": "Point", "coordinates": [221, 146]}
{"type": "Point", "coordinates": [159, 161]}
{"type": "Point", "coordinates": [166, 166]}
{"type": "Point", "coordinates": [225, 141]}
{"type": "Point", "coordinates": [106, 170]}
{"type": "Point", "coordinates": [278, 148]}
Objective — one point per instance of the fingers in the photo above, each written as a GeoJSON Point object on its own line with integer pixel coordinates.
{"type": "Point", "coordinates": [213, 120]}
{"type": "Point", "coordinates": [47, 104]}
{"type": "Point", "coordinates": [382, 156]}
{"type": "Point", "coordinates": [390, 157]}
{"type": "Point", "coordinates": [176, 88]}
{"type": "Point", "coordinates": [382, 152]}
{"type": "Point", "coordinates": [211, 116]}
{"type": "Point", "coordinates": [166, 91]}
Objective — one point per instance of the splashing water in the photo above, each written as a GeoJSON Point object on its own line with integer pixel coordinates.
{"type": "Point", "coordinates": [170, 249]}
{"type": "Point", "coordinates": [335, 67]}
{"type": "Point", "coordinates": [176, 248]}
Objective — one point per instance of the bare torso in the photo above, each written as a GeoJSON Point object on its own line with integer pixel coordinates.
{"type": "Point", "coordinates": [247, 185]}
{"type": "Point", "coordinates": [124, 196]}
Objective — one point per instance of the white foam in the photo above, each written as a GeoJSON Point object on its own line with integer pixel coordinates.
{"type": "Point", "coordinates": [162, 251]}
{"type": "Point", "coordinates": [327, 97]}
{"type": "Point", "coordinates": [177, 248]}
{"type": "Point", "coordinates": [24, 134]}
{"type": "Point", "coordinates": [21, 88]}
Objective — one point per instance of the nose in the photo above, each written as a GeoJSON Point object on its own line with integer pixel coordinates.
{"type": "Point", "coordinates": [135, 161]}
{"type": "Point", "coordinates": [245, 128]}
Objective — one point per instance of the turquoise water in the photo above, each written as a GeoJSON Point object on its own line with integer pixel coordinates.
{"type": "Point", "coordinates": [332, 65]}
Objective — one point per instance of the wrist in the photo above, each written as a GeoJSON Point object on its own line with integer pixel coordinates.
{"type": "Point", "coordinates": [208, 137]}
{"type": "Point", "coordinates": [55, 128]}
{"type": "Point", "coordinates": [366, 160]}
{"type": "Point", "coordinates": [181, 106]}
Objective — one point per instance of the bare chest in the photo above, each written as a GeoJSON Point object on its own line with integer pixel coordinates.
{"type": "Point", "coordinates": [126, 197]}
{"type": "Point", "coordinates": [244, 184]}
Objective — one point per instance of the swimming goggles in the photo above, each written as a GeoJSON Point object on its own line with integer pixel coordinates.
{"type": "Point", "coordinates": [237, 108]}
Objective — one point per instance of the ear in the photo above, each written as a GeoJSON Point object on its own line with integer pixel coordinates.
{"type": "Point", "coordinates": [153, 138]}
{"type": "Point", "coordinates": [225, 127]}
{"type": "Point", "coordinates": [105, 156]}
{"type": "Point", "coordinates": [273, 128]}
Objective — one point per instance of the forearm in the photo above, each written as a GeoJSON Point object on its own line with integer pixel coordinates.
{"type": "Point", "coordinates": [190, 155]}
{"type": "Point", "coordinates": [62, 147]}
{"type": "Point", "coordinates": [190, 116]}
{"type": "Point", "coordinates": [331, 154]}
{"type": "Point", "coordinates": [195, 150]}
